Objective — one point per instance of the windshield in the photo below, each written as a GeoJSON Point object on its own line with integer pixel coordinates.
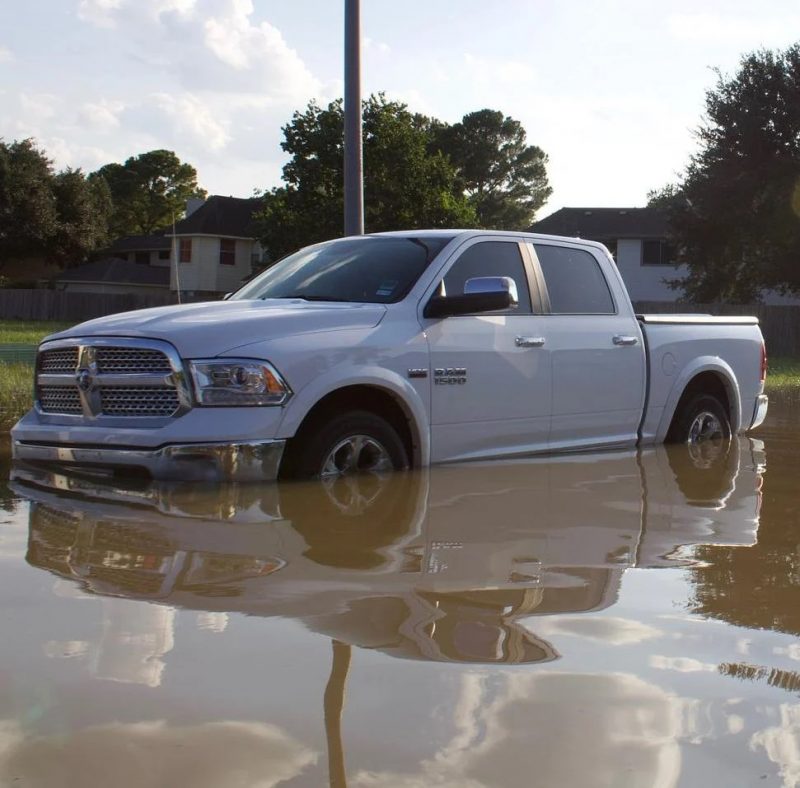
{"type": "Point", "coordinates": [369, 269]}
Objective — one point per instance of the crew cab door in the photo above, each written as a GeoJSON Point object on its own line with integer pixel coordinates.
{"type": "Point", "coordinates": [490, 373]}
{"type": "Point", "coordinates": [596, 346]}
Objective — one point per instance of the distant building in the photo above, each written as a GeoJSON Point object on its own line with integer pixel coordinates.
{"type": "Point", "coordinates": [216, 246]}
{"type": "Point", "coordinates": [636, 238]}
{"type": "Point", "coordinates": [212, 251]}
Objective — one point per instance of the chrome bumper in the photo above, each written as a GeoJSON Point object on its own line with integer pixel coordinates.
{"type": "Point", "coordinates": [760, 410]}
{"type": "Point", "coordinates": [233, 462]}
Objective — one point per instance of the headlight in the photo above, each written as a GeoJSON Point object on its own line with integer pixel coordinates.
{"type": "Point", "coordinates": [237, 382]}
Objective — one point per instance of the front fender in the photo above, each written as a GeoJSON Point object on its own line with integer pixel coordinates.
{"type": "Point", "coordinates": [694, 368]}
{"type": "Point", "coordinates": [401, 389]}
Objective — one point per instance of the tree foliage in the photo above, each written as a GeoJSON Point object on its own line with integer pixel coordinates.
{"type": "Point", "coordinates": [418, 172]}
{"type": "Point", "coordinates": [148, 191]}
{"type": "Point", "coordinates": [406, 185]}
{"type": "Point", "coordinates": [59, 216]}
{"type": "Point", "coordinates": [736, 214]}
{"type": "Point", "coordinates": [504, 178]}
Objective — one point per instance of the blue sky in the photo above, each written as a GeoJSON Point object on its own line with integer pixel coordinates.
{"type": "Point", "coordinates": [610, 89]}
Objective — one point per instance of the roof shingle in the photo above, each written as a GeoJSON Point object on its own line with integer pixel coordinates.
{"type": "Point", "coordinates": [604, 223]}
{"type": "Point", "coordinates": [223, 216]}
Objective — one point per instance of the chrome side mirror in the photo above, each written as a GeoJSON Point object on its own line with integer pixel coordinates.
{"type": "Point", "coordinates": [492, 284]}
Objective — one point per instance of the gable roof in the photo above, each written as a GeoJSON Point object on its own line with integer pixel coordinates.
{"type": "Point", "coordinates": [112, 270]}
{"type": "Point", "coordinates": [140, 243]}
{"type": "Point", "coordinates": [604, 223]}
{"type": "Point", "coordinates": [224, 216]}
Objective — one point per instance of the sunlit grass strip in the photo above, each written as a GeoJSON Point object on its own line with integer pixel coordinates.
{"type": "Point", "coordinates": [16, 392]}
{"type": "Point", "coordinates": [783, 373]}
{"type": "Point", "coordinates": [28, 331]}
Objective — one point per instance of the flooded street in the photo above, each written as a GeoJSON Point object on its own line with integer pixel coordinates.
{"type": "Point", "coordinates": [616, 619]}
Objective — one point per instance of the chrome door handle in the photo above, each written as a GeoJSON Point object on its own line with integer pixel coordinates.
{"type": "Point", "coordinates": [620, 339]}
{"type": "Point", "coordinates": [529, 341]}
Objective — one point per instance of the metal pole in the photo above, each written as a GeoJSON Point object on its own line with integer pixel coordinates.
{"type": "Point", "coordinates": [353, 157]}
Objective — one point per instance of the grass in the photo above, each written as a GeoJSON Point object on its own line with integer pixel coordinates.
{"type": "Point", "coordinates": [16, 392]}
{"type": "Point", "coordinates": [783, 374]}
{"type": "Point", "coordinates": [29, 332]}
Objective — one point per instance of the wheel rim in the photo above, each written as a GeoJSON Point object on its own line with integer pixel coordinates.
{"type": "Point", "coordinates": [356, 454]}
{"type": "Point", "coordinates": [705, 426]}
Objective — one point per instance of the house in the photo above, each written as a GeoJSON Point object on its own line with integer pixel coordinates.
{"type": "Point", "coordinates": [215, 246]}
{"type": "Point", "coordinates": [209, 253]}
{"type": "Point", "coordinates": [115, 275]}
{"type": "Point", "coordinates": [636, 238]}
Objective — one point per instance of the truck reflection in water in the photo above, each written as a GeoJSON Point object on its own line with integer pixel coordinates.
{"type": "Point", "coordinates": [442, 564]}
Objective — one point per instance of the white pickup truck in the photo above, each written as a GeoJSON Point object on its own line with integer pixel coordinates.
{"type": "Point", "coordinates": [390, 351]}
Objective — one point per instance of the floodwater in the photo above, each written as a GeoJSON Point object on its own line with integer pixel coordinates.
{"type": "Point", "coordinates": [617, 619]}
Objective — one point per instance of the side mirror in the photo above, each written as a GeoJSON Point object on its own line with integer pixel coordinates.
{"type": "Point", "coordinates": [226, 296]}
{"type": "Point", "coordinates": [481, 294]}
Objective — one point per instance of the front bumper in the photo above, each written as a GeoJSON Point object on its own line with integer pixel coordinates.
{"type": "Point", "coordinates": [760, 410]}
{"type": "Point", "coordinates": [233, 462]}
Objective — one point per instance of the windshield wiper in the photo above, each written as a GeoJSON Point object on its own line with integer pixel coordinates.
{"type": "Point", "coordinates": [312, 298]}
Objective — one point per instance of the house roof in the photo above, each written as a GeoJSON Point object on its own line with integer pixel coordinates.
{"type": "Point", "coordinates": [112, 270]}
{"type": "Point", "coordinates": [140, 243]}
{"type": "Point", "coordinates": [604, 223]}
{"type": "Point", "coordinates": [224, 216]}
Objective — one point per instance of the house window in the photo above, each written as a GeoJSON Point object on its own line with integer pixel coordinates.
{"type": "Point", "coordinates": [163, 254]}
{"type": "Point", "coordinates": [227, 251]}
{"type": "Point", "coordinates": [657, 253]}
{"type": "Point", "coordinates": [185, 250]}
{"type": "Point", "coordinates": [142, 258]}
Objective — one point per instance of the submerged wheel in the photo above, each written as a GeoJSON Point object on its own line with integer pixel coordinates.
{"type": "Point", "coordinates": [701, 419]}
{"type": "Point", "coordinates": [354, 442]}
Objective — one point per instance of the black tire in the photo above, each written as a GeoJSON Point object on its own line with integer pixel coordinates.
{"type": "Point", "coordinates": [307, 453]}
{"type": "Point", "coordinates": [686, 424]}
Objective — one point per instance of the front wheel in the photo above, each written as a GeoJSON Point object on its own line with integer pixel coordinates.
{"type": "Point", "coordinates": [700, 420]}
{"type": "Point", "coordinates": [354, 442]}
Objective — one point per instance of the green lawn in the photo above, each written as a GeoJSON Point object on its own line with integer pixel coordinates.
{"type": "Point", "coordinates": [16, 392]}
{"type": "Point", "coordinates": [30, 332]}
{"type": "Point", "coordinates": [783, 374]}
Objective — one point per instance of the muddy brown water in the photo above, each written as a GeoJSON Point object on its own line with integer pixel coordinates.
{"type": "Point", "coordinates": [614, 619]}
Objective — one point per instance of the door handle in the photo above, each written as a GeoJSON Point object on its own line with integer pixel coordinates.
{"type": "Point", "coordinates": [529, 341]}
{"type": "Point", "coordinates": [621, 339]}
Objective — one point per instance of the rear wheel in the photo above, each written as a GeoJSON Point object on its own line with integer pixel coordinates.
{"type": "Point", "coordinates": [701, 419]}
{"type": "Point", "coordinates": [353, 442]}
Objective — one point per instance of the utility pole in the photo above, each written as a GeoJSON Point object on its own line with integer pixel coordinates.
{"type": "Point", "coordinates": [353, 156]}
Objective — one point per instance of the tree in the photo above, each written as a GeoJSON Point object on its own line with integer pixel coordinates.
{"type": "Point", "coordinates": [148, 191]}
{"type": "Point", "coordinates": [505, 179]}
{"type": "Point", "coordinates": [735, 215]}
{"type": "Point", "coordinates": [406, 184]}
{"type": "Point", "coordinates": [27, 203]}
{"type": "Point", "coordinates": [61, 217]}
{"type": "Point", "coordinates": [83, 209]}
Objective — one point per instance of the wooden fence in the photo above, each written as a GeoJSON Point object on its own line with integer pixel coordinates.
{"type": "Point", "coordinates": [779, 324]}
{"type": "Point", "coordinates": [76, 307]}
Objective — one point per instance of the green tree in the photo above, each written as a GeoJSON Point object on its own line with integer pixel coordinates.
{"type": "Point", "coordinates": [27, 204]}
{"type": "Point", "coordinates": [83, 208]}
{"type": "Point", "coordinates": [735, 216]}
{"type": "Point", "coordinates": [504, 178]}
{"type": "Point", "coordinates": [406, 184]}
{"type": "Point", "coordinates": [148, 191]}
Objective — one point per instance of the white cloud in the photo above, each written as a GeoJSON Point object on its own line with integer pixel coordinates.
{"type": "Point", "coordinates": [680, 664]}
{"type": "Point", "coordinates": [611, 630]}
{"type": "Point", "coordinates": [149, 754]}
{"type": "Point", "coordinates": [6, 55]}
{"type": "Point", "coordinates": [102, 115]}
{"type": "Point", "coordinates": [492, 71]}
{"type": "Point", "coordinates": [39, 106]}
{"type": "Point", "coordinates": [782, 744]}
{"type": "Point", "coordinates": [792, 651]}
{"type": "Point", "coordinates": [709, 28]}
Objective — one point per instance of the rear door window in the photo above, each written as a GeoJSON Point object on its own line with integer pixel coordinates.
{"type": "Point", "coordinates": [575, 282]}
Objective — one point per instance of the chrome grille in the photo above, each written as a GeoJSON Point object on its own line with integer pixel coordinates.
{"type": "Point", "coordinates": [59, 399]}
{"type": "Point", "coordinates": [141, 401]}
{"type": "Point", "coordinates": [61, 360]}
{"type": "Point", "coordinates": [96, 378]}
{"type": "Point", "coordinates": [118, 360]}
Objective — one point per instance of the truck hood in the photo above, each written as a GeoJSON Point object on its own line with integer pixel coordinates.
{"type": "Point", "coordinates": [208, 329]}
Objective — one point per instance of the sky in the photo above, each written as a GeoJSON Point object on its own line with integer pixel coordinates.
{"type": "Point", "coordinates": [611, 90]}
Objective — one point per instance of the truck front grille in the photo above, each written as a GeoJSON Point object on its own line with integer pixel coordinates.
{"type": "Point", "coordinates": [119, 378]}
{"type": "Point", "coordinates": [60, 399]}
{"type": "Point", "coordinates": [144, 401]}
